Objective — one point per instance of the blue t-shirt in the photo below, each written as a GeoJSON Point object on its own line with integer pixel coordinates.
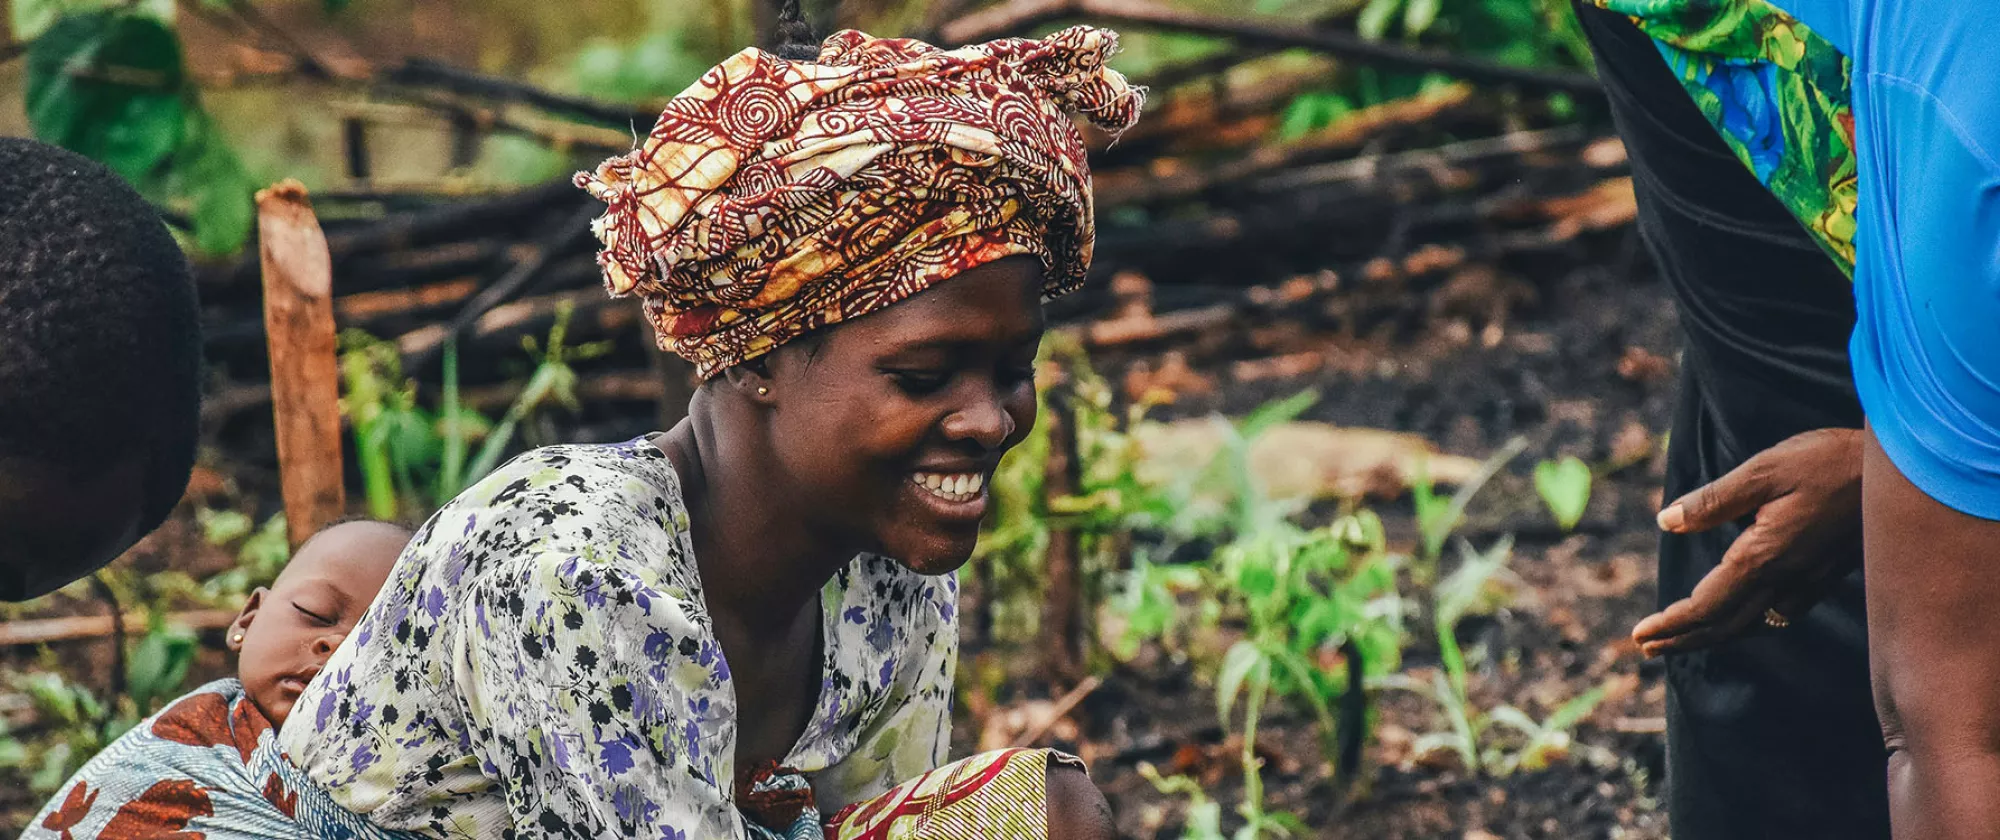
{"type": "Point", "coordinates": [1926, 101]}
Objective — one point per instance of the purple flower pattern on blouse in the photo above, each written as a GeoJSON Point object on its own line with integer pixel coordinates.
{"type": "Point", "coordinates": [542, 664]}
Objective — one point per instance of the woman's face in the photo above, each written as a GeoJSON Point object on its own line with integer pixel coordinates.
{"type": "Point", "coordinates": [890, 425]}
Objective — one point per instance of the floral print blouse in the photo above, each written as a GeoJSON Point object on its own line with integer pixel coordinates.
{"type": "Point", "coordinates": [541, 663]}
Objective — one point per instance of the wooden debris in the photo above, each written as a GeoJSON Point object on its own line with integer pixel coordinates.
{"type": "Point", "coordinates": [1021, 15]}
{"type": "Point", "coordinates": [1305, 460]}
{"type": "Point", "coordinates": [305, 372]}
{"type": "Point", "coordinates": [39, 631]}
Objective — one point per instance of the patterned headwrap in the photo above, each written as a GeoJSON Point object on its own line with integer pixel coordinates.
{"type": "Point", "coordinates": [776, 197]}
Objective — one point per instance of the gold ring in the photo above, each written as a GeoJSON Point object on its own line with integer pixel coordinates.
{"type": "Point", "coordinates": [1776, 620]}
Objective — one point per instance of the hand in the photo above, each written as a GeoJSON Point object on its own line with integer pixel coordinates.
{"type": "Point", "coordinates": [1806, 495]}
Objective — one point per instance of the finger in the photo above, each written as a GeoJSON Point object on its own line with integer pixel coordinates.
{"type": "Point", "coordinates": [1796, 602]}
{"type": "Point", "coordinates": [1730, 624]}
{"type": "Point", "coordinates": [1707, 635]}
{"type": "Point", "coordinates": [1685, 620]}
{"type": "Point", "coordinates": [1733, 496]}
{"type": "Point", "coordinates": [1740, 576]}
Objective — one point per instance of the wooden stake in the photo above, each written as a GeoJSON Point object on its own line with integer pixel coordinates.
{"type": "Point", "coordinates": [1063, 613]}
{"type": "Point", "coordinates": [305, 370]}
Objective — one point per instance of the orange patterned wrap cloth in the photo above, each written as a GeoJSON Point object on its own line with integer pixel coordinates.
{"type": "Point", "coordinates": [775, 197]}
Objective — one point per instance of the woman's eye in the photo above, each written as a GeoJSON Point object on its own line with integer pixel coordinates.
{"type": "Point", "coordinates": [312, 615]}
{"type": "Point", "coordinates": [919, 383]}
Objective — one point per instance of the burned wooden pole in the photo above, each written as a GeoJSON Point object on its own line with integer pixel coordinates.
{"type": "Point", "coordinates": [305, 370]}
{"type": "Point", "coordinates": [1062, 627]}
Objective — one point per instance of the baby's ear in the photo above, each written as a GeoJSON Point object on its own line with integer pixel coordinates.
{"type": "Point", "coordinates": [242, 623]}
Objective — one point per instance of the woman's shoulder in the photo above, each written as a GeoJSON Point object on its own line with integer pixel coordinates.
{"type": "Point", "coordinates": [591, 505]}
{"type": "Point", "coordinates": [634, 468]}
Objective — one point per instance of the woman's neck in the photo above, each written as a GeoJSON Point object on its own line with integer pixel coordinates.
{"type": "Point", "coordinates": [761, 564]}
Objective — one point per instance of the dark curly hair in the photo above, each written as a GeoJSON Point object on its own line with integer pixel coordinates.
{"type": "Point", "coordinates": [100, 344]}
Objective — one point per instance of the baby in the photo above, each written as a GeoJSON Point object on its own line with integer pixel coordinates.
{"type": "Point", "coordinates": [285, 633]}
{"type": "Point", "coordinates": [188, 772]}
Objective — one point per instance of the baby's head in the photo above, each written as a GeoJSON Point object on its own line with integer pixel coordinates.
{"type": "Point", "coordinates": [286, 632]}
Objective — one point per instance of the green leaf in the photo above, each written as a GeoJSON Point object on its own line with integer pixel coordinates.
{"type": "Point", "coordinates": [1301, 117]}
{"type": "Point", "coordinates": [1419, 15]}
{"type": "Point", "coordinates": [159, 665]}
{"type": "Point", "coordinates": [110, 86]}
{"type": "Point", "coordinates": [12, 752]}
{"type": "Point", "coordinates": [210, 178]}
{"type": "Point", "coordinates": [1273, 413]}
{"type": "Point", "coordinates": [1515, 719]}
{"type": "Point", "coordinates": [1242, 658]}
{"type": "Point", "coordinates": [221, 527]}
{"type": "Point", "coordinates": [1458, 591]}
{"type": "Point", "coordinates": [54, 770]}
{"type": "Point", "coordinates": [1373, 22]}
{"type": "Point", "coordinates": [30, 18]}
{"type": "Point", "coordinates": [1565, 487]}
{"type": "Point", "coordinates": [1575, 710]}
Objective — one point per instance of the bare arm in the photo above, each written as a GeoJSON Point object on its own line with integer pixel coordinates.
{"type": "Point", "coordinates": [1933, 579]}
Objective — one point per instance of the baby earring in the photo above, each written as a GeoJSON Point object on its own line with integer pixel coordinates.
{"type": "Point", "coordinates": [236, 639]}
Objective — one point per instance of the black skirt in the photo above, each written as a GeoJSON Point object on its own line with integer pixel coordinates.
{"type": "Point", "coordinates": [1772, 736]}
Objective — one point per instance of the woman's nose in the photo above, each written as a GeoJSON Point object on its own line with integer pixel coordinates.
{"type": "Point", "coordinates": [984, 421]}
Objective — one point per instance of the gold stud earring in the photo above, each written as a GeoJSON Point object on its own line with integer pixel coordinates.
{"type": "Point", "coordinates": [763, 391]}
{"type": "Point", "coordinates": [236, 639]}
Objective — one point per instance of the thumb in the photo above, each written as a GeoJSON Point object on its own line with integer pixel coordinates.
{"type": "Point", "coordinates": [1733, 496]}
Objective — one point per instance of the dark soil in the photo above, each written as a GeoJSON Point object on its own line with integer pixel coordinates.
{"type": "Point", "coordinates": [1581, 362]}
{"type": "Point", "coordinates": [1572, 350]}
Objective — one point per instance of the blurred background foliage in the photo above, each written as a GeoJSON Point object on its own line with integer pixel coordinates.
{"type": "Point", "coordinates": [198, 102]}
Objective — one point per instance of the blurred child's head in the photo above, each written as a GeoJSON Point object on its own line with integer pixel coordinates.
{"type": "Point", "coordinates": [100, 357]}
{"type": "Point", "coordinates": [286, 632]}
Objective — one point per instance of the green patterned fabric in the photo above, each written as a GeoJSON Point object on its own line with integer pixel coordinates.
{"type": "Point", "coordinates": [1778, 94]}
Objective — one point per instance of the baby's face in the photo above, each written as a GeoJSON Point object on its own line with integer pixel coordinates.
{"type": "Point", "coordinates": [286, 632]}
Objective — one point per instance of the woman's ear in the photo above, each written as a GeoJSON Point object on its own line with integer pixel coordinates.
{"type": "Point", "coordinates": [752, 379]}
{"type": "Point", "coordinates": [234, 641]}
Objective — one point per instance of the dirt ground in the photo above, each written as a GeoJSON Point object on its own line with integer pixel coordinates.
{"type": "Point", "coordinates": [1577, 355]}
{"type": "Point", "coordinates": [1582, 363]}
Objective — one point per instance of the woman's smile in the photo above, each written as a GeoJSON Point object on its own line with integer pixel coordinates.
{"type": "Point", "coordinates": [959, 497]}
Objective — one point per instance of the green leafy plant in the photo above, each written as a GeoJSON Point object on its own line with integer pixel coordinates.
{"type": "Point", "coordinates": [260, 555]}
{"type": "Point", "coordinates": [1316, 608]}
{"type": "Point", "coordinates": [157, 668]}
{"type": "Point", "coordinates": [1438, 516]}
{"type": "Point", "coordinates": [1456, 594]}
{"type": "Point", "coordinates": [1110, 502]}
{"type": "Point", "coordinates": [1565, 487]}
{"type": "Point", "coordinates": [1469, 732]}
{"type": "Point", "coordinates": [414, 459]}
{"type": "Point", "coordinates": [552, 383]}
{"type": "Point", "coordinates": [72, 725]}
{"type": "Point", "coordinates": [1203, 816]}
{"type": "Point", "coordinates": [108, 81]}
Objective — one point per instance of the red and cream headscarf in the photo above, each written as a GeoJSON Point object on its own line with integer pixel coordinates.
{"type": "Point", "coordinates": [776, 197]}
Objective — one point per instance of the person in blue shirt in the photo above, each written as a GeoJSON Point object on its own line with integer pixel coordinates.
{"type": "Point", "coordinates": [1873, 125]}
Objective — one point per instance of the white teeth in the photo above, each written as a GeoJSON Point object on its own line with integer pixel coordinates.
{"type": "Point", "coordinates": [957, 487]}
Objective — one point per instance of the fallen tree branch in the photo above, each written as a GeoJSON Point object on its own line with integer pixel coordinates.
{"type": "Point", "coordinates": [418, 72]}
{"type": "Point", "coordinates": [506, 288]}
{"type": "Point", "coordinates": [1024, 14]}
{"type": "Point", "coordinates": [1061, 708]}
{"type": "Point", "coordinates": [40, 631]}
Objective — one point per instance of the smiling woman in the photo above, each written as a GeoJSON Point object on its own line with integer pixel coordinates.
{"type": "Point", "coordinates": [747, 626]}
